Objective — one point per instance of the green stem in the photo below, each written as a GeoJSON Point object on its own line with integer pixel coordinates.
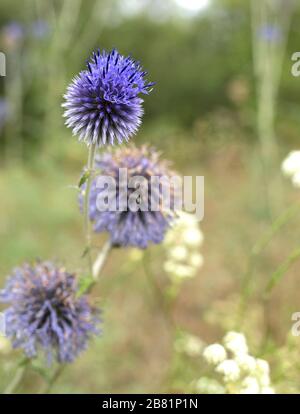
{"type": "Point", "coordinates": [54, 378]}
{"type": "Point", "coordinates": [159, 296]}
{"type": "Point", "coordinates": [258, 248]}
{"type": "Point", "coordinates": [87, 223]}
{"type": "Point", "coordinates": [19, 375]}
{"type": "Point", "coordinates": [281, 270]}
{"type": "Point", "coordinates": [96, 270]}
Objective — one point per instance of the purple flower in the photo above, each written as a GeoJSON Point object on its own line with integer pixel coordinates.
{"type": "Point", "coordinates": [13, 33]}
{"type": "Point", "coordinates": [126, 226]}
{"type": "Point", "coordinates": [40, 29]}
{"type": "Point", "coordinates": [270, 33]}
{"type": "Point", "coordinates": [44, 312]}
{"type": "Point", "coordinates": [102, 103]}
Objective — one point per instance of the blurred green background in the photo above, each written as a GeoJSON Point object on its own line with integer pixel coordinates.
{"type": "Point", "coordinates": [225, 106]}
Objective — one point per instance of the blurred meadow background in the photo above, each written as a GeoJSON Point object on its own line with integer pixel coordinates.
{"type": "Point", "coordinates": [225, 106]}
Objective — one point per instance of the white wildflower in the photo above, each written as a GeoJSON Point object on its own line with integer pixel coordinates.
{"type": "Point", "coordinates": [267, 390]}
{"type": "Point", "coordinates": [182, 242]}
{"type": "Point", "coordinates": [189, 344]}
{"type": "Point", "coordinates": [296, 179]}
{"type": "Point", "coordinates": [250, 385]}
{"type": "Point", "coordinates": [193, 346]}
{"type": "Point", "coordinates": [246, 362]}
{"type": "Point", "coordinates": [291, 167]}
{"type": "Point", "coordinates": [169, 266]}
{"type": "Point", "coordinates": [209, 386]}
{"type": "Point", "coordinates": [263, 366]}
{"type": "Point", "coordinates": [291, 164]}
{"type": "Point", "coordinates": [229, 369]}
{"type": "Point", "coordinates": [214, 354]}
{"type": "Point", "coordinates": [236, 343]}
{"type": "Point", "coordinates": [179, 253]}
{"type": "Point", "coordinates": [242, 374]}
{"type": "Point", "coordinates": [183, 271]}
{"type": "Point", "coordinates": [193, 237]}
{"type": "Point", "coordinates": [196, 260]}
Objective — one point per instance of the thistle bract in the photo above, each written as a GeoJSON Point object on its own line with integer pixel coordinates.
{"type": "Point", "coordinates": [44, 312]}
{"type": "Point", "coordinates": [102, 103]}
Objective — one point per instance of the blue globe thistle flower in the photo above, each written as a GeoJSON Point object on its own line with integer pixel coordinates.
{"type": "Point", "coordinates": [102, 103]}
{"type": "Point", "coordinates": [40, 29]}
{"type": "Point", "coordinates": [13, 34]}
{"type": "Point", "coordinates": [125, 226]}
{"type": "Point", "coordinates": [45, 313]}
{"type": "Point", "coordinates": [270, 33]}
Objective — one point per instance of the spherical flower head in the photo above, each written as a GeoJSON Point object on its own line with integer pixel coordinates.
{"type": "Point", "coordinates": [103, 103]}
{"type": "Point", "coordinates": [214, 354]}
{"type": "Point", "coordinates": [236, 343]}
{"type": "Point", "coordinates": [44, 312]}
{"type": "Point", "coordinates": [128, 226]}
{"type": "Point", "coordinates": [229, 369]}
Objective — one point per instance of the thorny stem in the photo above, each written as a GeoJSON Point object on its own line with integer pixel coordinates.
{"type": "Point", "coordinates": [87, 224]}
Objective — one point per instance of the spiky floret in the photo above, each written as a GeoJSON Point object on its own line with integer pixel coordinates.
{"type": "Point", "coordinates": [125, 226]}
{"type": "Point", "coordinates": [102, 103]}
{"type": "Point", "coordinates": [45, 312]}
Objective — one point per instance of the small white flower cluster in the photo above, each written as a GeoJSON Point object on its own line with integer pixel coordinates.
{"type": "Point", "coordinates": [189, 344]}
{"type": "Point", "coordinates": [241, 373]}
{"type": "Point", "coordinates": [291, 167]}
{"type": "Point", "coordinates": [183, 242]}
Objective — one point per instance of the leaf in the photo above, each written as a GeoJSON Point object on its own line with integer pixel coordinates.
{"type": "Point", "coordinates": [85, 252]}
{"type": "Point", "coordinates": [23, 362]}
{"type": "Point", "coordinates": [85, 282]}
{"type": "Point", "coordinates": [83, 178]}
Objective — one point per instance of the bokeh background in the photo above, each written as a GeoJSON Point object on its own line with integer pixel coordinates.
{"type": "Point", "coordinates": [225, 106]}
